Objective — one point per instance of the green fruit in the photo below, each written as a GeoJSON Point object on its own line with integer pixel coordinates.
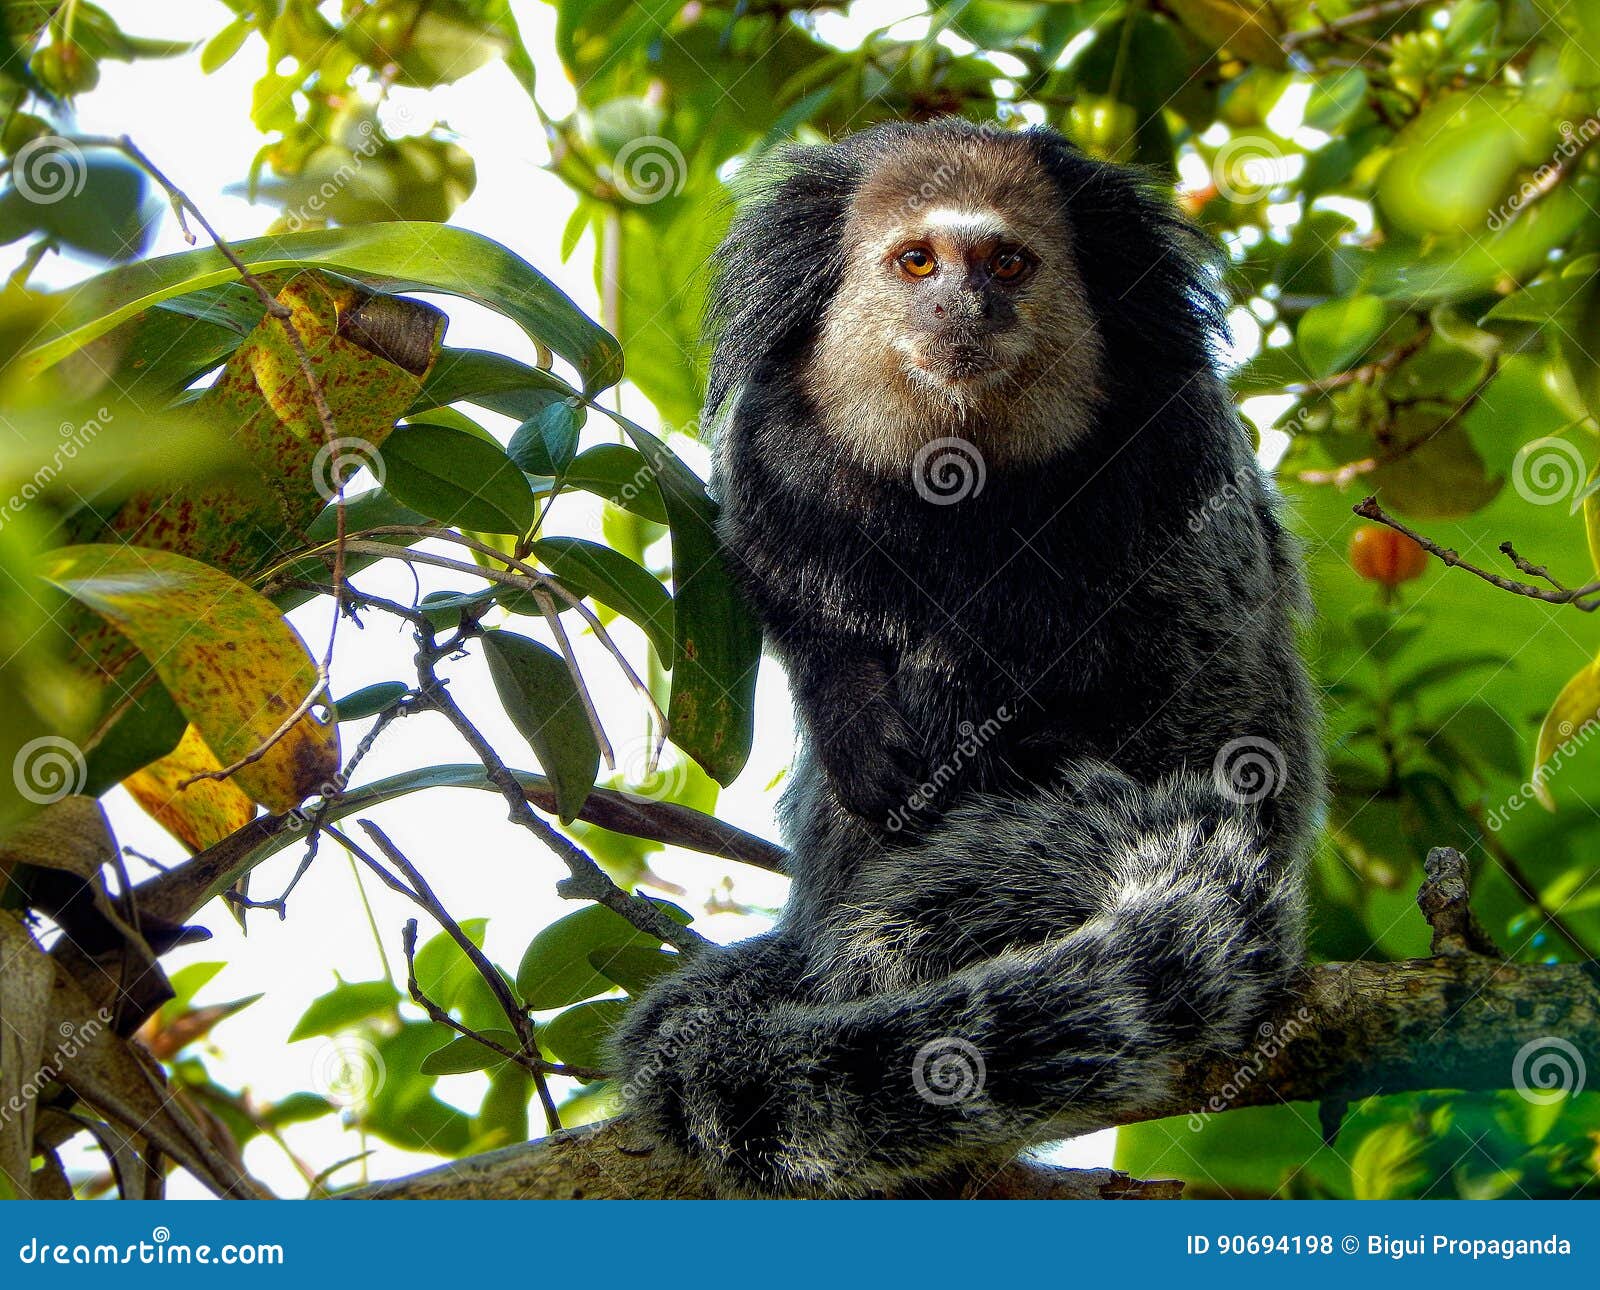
{"type": "Point", "coordinates": [66, 69]}
{"type": "Point", "coordinates": [1453, 165]}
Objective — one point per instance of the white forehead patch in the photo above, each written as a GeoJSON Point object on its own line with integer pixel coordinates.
{"type": "Point", "coordinates": [974, 222]}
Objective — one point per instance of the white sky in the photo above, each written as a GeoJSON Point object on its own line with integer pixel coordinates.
{"type": "Point", "coordinates": [197, 129]}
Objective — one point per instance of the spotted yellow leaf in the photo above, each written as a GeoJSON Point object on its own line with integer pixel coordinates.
{"type": "Point", "coordinates": [225, 654]}
{"type": "Point", "coordinates": [1572, 718]}
{"type": "Point", "coordinates": [198, 812]}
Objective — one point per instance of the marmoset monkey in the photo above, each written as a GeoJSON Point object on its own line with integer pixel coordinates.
{"type": "Point", "coordinates": [1060, 766]}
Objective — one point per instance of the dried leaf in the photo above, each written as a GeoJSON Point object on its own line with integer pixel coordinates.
{"type": "Point", "coordinates": [25, 1019]}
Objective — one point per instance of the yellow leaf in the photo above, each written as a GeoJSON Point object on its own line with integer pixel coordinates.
{"type": "Point", "coordinates": [230, 661]}
{"type": "Point", "coordinates": [1572, 718]}
{"type": "Point", "coordinates": [203, 813]}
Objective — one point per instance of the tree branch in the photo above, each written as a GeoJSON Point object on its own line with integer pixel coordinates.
{"type": "Point", "coordinates": [1463, 1020]}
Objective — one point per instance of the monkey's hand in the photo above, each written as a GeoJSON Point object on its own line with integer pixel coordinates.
{"type": "Point", "coordinates": [692, 1062]}
{"type": "Point", "coordinates": [873, 760]}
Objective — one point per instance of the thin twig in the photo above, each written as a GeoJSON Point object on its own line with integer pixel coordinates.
{"type": "Point", "coordinates": [1359, 17]}
{"type": "Point", "coordinates": [1578, 597]}
{"type": "Point", "coordinates": [182, 206]}
{"type": "Point", "coordinates": [585, 880]}
{"type": "Point", "coordinates": [423, 895]}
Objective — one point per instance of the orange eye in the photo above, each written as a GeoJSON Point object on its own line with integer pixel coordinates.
{"type": "Point", "coordinates": [1008, 265]}
{"type": "Point", "coordinates": [918, 261]}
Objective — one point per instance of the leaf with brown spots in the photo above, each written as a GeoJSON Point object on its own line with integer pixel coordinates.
{"type": "Point", "coordinates": [198, 812]}
{"type": "Point", "coordinates": [227, 657]}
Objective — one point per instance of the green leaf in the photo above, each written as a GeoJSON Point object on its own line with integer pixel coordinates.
{"type": "Point", "coordinates": [491, 381]}
{"type": "Point", "coordinates": [393, 257]}
{"type": "Point", "coordinates": [717, 644]}
{"type": "Point", "coordinates": [579, 1035]}
{"type": "Point", "coordinates": [465, 1054]}
{"type": "Point", "coordinates": [1332, 336]}
{"type": "Point", "coordinates": [634, 967]}
{"type": "Point", "coordinates": [369, 700]}
{"type": "Point", "coordinates": [457, 479]}
{"type": "Point", "coordinates": [559, 967]}
{"type": "Point", "coordinates": [616, 582]}
{"type": "Point", "coordinates": [622, 476]}
{"type": "Point", "coordinates": [224, 45]}
{"type": "Point", "coordinates": [539, 695]}
{"type": "Point", "coordinates": [344, 1006]}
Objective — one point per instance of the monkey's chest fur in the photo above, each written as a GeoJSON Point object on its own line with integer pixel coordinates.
{"type": "Point", "coordinates": [1027, 621]}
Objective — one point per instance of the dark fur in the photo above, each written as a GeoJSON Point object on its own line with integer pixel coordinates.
{"type": "Point", "coordinates": [1077, 902]}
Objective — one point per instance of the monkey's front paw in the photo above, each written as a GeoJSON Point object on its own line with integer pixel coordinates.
{"type": "Point", "coordinates": [874, 764]}
{"type": "Point", "coordinates": [702, 1081]}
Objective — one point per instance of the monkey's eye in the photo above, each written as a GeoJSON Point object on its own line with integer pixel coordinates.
{"type": "Point", "coordinates": [918, 261]}
{"type": "Point", "coordinates": [1009, 265]}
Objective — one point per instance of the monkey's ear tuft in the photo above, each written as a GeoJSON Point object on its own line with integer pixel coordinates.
{"type": "Point", "coordinates": [1153, 277]}
{"type": "Point", "coordinates": [780, 264]}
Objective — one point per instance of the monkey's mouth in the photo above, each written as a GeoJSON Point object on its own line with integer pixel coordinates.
{"type": "Point", "coordinates": [957, 364]}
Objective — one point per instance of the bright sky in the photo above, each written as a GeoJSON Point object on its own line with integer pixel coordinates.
{"type": "Point", "coordinates": [197, 129]}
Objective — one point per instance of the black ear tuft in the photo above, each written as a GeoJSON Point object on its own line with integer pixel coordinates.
{"type": "Point", "coordinates": [1152, 276]}
{"type": "Point", "coordinates": [780, 263]}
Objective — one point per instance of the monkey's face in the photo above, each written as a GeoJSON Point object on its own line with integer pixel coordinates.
{"type": "Point", "coordinates": [957, 282]}
{"type": "Point", "coordinates": [960, 311]}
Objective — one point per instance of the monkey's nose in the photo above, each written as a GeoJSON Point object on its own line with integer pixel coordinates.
{"type": "Point", "coordinates": [938, 311]}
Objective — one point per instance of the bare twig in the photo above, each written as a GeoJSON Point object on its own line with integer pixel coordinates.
{"type": "Point", "coordinates": [1337, 26]}
{"type": "Point", "coordinates": [184, 206]}
{"type": "Point", "coordinates": [533, 1065]}
{"type": "Point", "coordinates": [1586, 597]}
{"type": "Point", "coordinates": [424, 896]}
{"type": "Point", "coordinates": [585, 880]}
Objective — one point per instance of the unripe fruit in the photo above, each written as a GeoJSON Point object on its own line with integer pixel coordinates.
{"type": "Point", "coordinates": [1383, 556]}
